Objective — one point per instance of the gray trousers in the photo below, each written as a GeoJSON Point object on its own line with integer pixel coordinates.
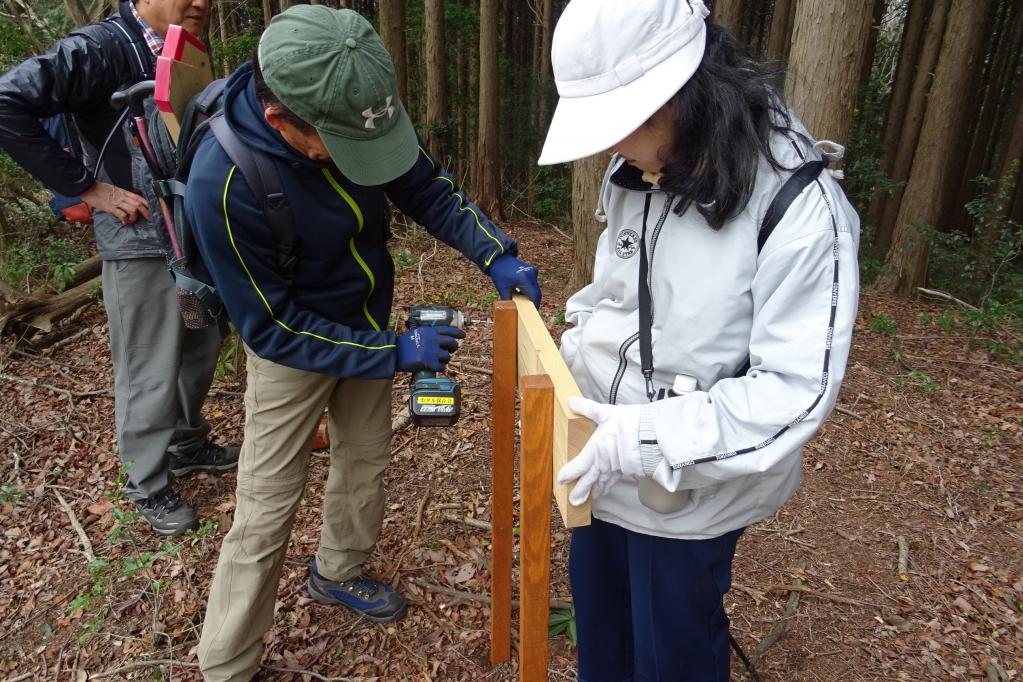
{"type": "Point", "coordinates": [162, 371]}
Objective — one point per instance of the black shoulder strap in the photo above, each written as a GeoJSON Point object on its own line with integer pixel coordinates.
{"type": "Point", "coordinates": [792, 188]}
{"type": "Point", "coordinates": [265, 182]}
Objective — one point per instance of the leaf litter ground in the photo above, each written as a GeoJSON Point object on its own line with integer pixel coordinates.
{"type": "Point", "coordinates": [924, 446]}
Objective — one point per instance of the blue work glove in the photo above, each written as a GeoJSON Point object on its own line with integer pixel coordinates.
{"type": "Point", "coordinates": [510, 274]}
{"type": "Point", "coordinates": [427, 348]}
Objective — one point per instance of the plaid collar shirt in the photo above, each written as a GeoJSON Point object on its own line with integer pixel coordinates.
{"type": "Point", "coordinates": [153, 39]}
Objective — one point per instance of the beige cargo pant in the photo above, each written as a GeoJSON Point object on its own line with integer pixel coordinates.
{"type": "Point", "coordinates": [282, 408]}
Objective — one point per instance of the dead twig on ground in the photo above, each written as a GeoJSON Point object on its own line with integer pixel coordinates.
{"type": "Point", "coordinates": [135, 665]}
{"type": "Point", "coordinates": [420, 508]}
{"type": "Point", "coordinates": [779, 627]}
{"type": "Point", "coordinates": [947, 297]}
{"type": "Point", "coordinates": [903, 565]}
{"type": "Point", "coordinates": [86, 544]}
{"type": "Point", "coordinates": [838, 599]}
{"type": "Point", "coordinates": [54, 389]}
{"type": "Point", "coordinates": [556, 604]}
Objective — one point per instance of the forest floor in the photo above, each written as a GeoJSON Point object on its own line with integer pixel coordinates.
{"type": "Point", "coordinates": [924, 448]}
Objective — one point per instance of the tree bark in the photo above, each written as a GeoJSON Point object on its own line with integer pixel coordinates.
{"type": "Point", "coordinates": [912, 122]}
{"type": "Point", "coordinates": [909, 54]}
{"type": "Point", "coordinates": [988, 112]}
{"type": "Point", "coordinates": [728, 13]}
{"type": "Point", "coordinates": [586, 176]}
{"type": "Point", "coordinates": [488, 155]}
{"type": "Point", "coordinates": [829, 46]}
{"type": "Point", "coordinates": [436, 78]}
{"type": "Point", "coordinates": [392, 33]}
{"type": "Point", "coordinates": [100, 8]}
{"type": "Point", "coordinates": [77, 11]}
{"type": "Point", "coordinates": [906, 265]}
{"type": "Point", "coordinates": [268, 12]}
{"type": "Point", "coordinates": [779, 39]}
{"type": "Point", "coordinates": [42, 312]}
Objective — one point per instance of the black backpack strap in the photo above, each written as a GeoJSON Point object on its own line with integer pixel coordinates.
{"type": "Point", "coordinates": [265, 182]}
{"type": "Point", "coordinates": [792, 188]}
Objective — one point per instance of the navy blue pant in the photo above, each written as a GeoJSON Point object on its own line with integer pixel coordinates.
{"type": "Point", "coordinates": [650, 609]}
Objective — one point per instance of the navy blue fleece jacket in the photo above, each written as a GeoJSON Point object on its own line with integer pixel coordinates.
{"type": "Point", "coordinates": [333, 319]}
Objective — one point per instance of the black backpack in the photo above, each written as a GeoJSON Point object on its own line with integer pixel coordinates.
{"type": "Point", "coordinates": [197, 297]}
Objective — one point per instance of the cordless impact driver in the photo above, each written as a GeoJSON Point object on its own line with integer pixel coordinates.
{"type": "Point", "coordinates": [435, 400]}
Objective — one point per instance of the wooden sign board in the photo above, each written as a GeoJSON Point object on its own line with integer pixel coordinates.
{"type": "Point", "coordinates": [537, 354]}
{"type": "Point", "coordinates": [182, 69]}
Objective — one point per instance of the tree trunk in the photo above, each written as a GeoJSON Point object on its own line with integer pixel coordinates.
{"type": "Point", "coordinates": [268, 12]}
{"type": "Point", "coordinates": [728, 13]}
{"type": "Point", "coordinates": [100, 8]}
{"type": "Point", "coordinates": [488, 155]}
{"type": "Point", "coordinates": [221, 19]}
{"type": "Point", "coordinates": [1002, 64]}
{"type": "Point", "coordinates": [912, 123]}
{"type": "Point", "coordinates": [392, 33]}
{"type": "Point", "coordinates": [829, 45]}
{"type": "Point", "coordinates": [906, 265]}
{"type": "Point", "coordinates": [436, 78]}
{"type": "Point", "coordinates": [586, 176]}
{"type": "Point", "coordinates": [77, 11]}
{"type": "Point", "coordinates": [42, 312]}
{"type": "Point", "coordinates": [779, 39]}
{"type": "Point", "coordinates": [902, 85]}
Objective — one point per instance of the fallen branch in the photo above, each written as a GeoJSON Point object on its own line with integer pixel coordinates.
{"type": "Point", "coordinates": [903, 565]}
{"type": "Point", "coordinates": [961, 362]}
{"type": "Point", "coordinates": [135, 665]}
{"type": "Point", "coordinates": [296, 671]}
{"type": "Point", "coordinates": [848, 413]}
{"type": "Point", "coordinates": [779, 628]}
{"type": "Point", "coordinates": [947, 297]}
{"type": "Point", "coordinates": [472, 523]}
{"type": "Point", "coordinates": [420, 508]}
{"type": "Point", "coordinates": [86, 544]}
{"type": "Point", "coordinates": [466, 521]}
{"type": "Point", "coordinates": [555, 604]}
{"type": "Point", "coordinates": [55, 389]}
{"type": "Point", "coordinates": [19, 678]}
{"type": "Point", "coordinates": [756, 595]}
{"type": "Point", "coordinates": [60, 343]}
{"type": "Point", "coordinates": [838, 599]}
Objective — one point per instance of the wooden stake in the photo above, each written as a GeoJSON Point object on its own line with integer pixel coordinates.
{"type": "Point", "coordinates": [537, 447]}
{"type": "Point", "coordinates": [502, 465]}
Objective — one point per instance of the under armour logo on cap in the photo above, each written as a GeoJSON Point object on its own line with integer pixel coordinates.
{"type": "Point", "coordinates": [371, 116]}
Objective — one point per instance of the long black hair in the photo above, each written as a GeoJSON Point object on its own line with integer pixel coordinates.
{"type": "Point", "coordinates": [725, 116]}
{"type": "Point", "coordinates": [268, 99]}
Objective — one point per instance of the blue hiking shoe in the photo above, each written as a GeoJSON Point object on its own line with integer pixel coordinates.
{"type": "Point", "coordinates": [366, 596]}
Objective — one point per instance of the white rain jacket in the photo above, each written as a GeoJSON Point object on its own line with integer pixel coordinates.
{"type": "Point", "coordinates": [715, 302]}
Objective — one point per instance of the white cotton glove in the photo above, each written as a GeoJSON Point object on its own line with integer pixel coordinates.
{"type": "Point", "coordinates": [611, 454]}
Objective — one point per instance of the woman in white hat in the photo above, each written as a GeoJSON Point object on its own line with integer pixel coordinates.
{"type": "Point", "coordinates": [707, 354]}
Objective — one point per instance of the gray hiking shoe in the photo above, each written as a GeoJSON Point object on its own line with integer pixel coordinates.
{"type": "Point", "coordinates": [167, 513]}
{"type": "Point", "coordinates": [366, 596]}
{"type": "Point", "coordinates": [209, 457]}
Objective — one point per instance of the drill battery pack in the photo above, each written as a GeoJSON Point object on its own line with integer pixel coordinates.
{"type": "Point", "coordinates": [435, 401]}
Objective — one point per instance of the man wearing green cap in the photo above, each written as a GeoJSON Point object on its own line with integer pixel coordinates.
{"type": "Point", "coordinates": [321, 101]}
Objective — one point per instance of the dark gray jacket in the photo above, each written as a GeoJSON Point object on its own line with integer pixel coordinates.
{"type": "Point", "coordinates": [77, 76]}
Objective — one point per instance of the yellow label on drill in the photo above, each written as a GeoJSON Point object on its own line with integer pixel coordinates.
{"type": "Point", "coordinates": [434, 400]}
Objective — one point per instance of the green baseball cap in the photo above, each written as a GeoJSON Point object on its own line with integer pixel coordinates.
{"type": "Point", "coordinates": [330, 68]}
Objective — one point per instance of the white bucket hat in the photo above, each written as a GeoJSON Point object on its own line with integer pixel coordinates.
{"type": "Point", "coordinates": [615, 64]}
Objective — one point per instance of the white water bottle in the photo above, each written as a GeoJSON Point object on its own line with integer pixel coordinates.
{"type": "Point", "coordinates": [651, 493]}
